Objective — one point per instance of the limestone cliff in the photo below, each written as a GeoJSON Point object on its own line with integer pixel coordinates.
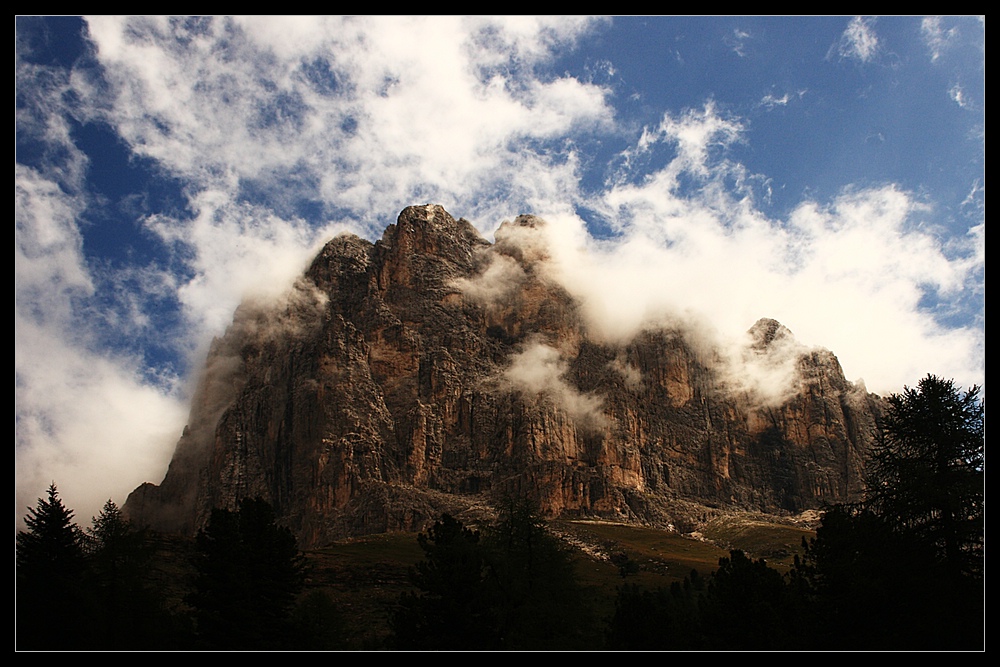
{"type": "Point", "coordinates": [432, 370]}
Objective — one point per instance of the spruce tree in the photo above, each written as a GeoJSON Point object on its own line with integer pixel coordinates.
{"type": "Point", "coordinates": [130, 614]}
{"type": "Point", "coordinates": [250, 573]}
{"type": "Point", "coordinates": [455, 607]}
{"type": "Point", "coordinates": [926, 473]}
{"type": "Point", "coordinates": [904, 568]}
{"type": "Point", "coordinates": [50, 565]}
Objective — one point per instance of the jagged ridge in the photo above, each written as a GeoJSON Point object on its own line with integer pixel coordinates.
{"type": "Point", "coordinates": [430, 369]}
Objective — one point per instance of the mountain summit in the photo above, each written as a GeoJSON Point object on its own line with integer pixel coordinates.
{"type": "Point", "coordinates": [432, 371]}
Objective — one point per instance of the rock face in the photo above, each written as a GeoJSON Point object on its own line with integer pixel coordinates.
{"type": "Point", "coordinates": [432, 370]}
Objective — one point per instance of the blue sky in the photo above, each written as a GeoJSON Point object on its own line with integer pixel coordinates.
{"type": "Point", "coordinates": [706, 171]}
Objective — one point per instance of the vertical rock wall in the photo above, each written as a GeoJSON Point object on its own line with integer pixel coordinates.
{"type": "Point", "coordinates": [432, 369]}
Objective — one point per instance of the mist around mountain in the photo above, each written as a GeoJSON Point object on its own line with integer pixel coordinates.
{"type": "Point", "coordinates": [434, 371]}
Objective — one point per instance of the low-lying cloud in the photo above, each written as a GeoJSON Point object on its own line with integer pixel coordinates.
{"type": "Point", "coordinates": [539, 371]}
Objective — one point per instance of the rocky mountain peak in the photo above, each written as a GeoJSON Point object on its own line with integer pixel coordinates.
{"type": "Point", "coordinates": [766, 331]}
{"type": "Point", "coordinates": [430, 230]}
{"type": "Point", "coordinates": [432, 371]}
{"type": "Point", "coordinates": [424, 249]}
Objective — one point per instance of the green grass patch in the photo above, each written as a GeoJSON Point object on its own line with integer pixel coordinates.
{"type": "Point", "coordinates": [777, 543]}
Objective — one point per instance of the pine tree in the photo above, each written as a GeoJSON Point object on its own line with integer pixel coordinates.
{"type": "Point", "coordinates": [130, 612]}
{"type": "Point", "coordinates": [455, 607]}
{"type": "Point", "coordinates": [50, 566]}
{"type": "Point", "coordinates": [250, 572]}
{"type": "Point", "coordinates": [926, 473]}
{"type": "Point", "coordinates": [903, 569]}
{"type": "Point", "coordinates": [52, 542]}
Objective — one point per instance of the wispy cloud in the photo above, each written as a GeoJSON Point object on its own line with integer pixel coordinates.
{"type": "Point", "coordinates": [859, 41]}
{"type": "Point", "coordinates": [737, 40]}
{"type": "Point", "coordinates": [957, 94]}
{"type": "Point", "coordinates": [937, 38]}
{"type": "Point", "coordinates": [771, 100]}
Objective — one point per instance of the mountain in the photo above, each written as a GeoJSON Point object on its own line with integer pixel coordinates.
{"type": "Point", "coordinates": [432, 370]}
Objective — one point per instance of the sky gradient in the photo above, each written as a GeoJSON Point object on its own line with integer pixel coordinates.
{"type": "Point", "coordinates": [827, 172]}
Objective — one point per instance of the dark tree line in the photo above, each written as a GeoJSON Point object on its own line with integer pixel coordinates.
{"type": "Point", "coordinates": [903, 569]}
{"type": "Point", "coordinates": [510, 586]}
{"type": "Point", "coordinates": [93, 589]}
{"type": "Point", "coordinates": [79, 589]}
{"type": "Point", "coordinates": [743, 605]}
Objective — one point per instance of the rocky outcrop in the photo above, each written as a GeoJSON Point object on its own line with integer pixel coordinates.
{"type": "Point", "coordinates": [432, 370]}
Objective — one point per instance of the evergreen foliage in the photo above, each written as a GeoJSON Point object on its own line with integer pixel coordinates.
{"type": "Point", "coordinates": [903, 569]}
{"type": "Point", "coordinates": [540, 602]}
{"type": "Point", "coordinates": [658, 619]}
{"type": "Point", "coordinates": [50, 563]}
{"type": "Point", "coordinates": [129, 613]}
{"type": "Point", "coordinates": [748, 606]}
{"type": "Point", "coordinates": [53, 544]}
{"type": "Point", "coordinates": [250, 572]}
{"type": "Point", "coordinates": [455, 608]}
{"type": "Point", "coordinates": [510, 587]}
{"type": "Point", "coordinates": [743, 605]}
{"type": "Point", "coordinates": [96, 582]}
{"type": "Point", "coordinates": [926, 474]}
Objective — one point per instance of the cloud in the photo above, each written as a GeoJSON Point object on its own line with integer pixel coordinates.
{"type": "Point", "coordinates": [498, 281]}
{"type": "Point", "coordinates": [706, 259]}
{"type": "Point", "coordinates": [936, 37]}
{"type": "Point", "coordinates": [49, 271]}
{"type": "Point", "coordinates": [859, 41]}
{"type": "Point", "coordinates": [366, 113]}
{"type": "Point", "coordinates": [693, 135]}
{"type": "Point", "coordinates": [957, 94]}
{"type": "Point", "coordinates": [90, 421]}
{"type": "Point", "coordinates": [736, 41]}
{"type": "Point", "coordinates": [540, 372]}
{"type": "Point", "coordinates": [770, 101]}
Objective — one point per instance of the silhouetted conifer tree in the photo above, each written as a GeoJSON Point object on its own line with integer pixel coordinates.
{"type": "Point", "coordinates": [903, 569]}
{"type": "Point", "coordinates": [455, 606]}
{"type": "Point", "coordinates": [50, 565]}
{"type": "Point", "coordinates": [511, 587]}
{"type": "Point", "coordinates": [249, 574]}
{"type": "Point", "coordinates": [130, 614]}
{"type": "Point", "coordinates": [926, 472]}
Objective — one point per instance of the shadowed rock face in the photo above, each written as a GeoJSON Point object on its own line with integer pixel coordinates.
{"type": "Point", "coordinates": [432, 370]}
